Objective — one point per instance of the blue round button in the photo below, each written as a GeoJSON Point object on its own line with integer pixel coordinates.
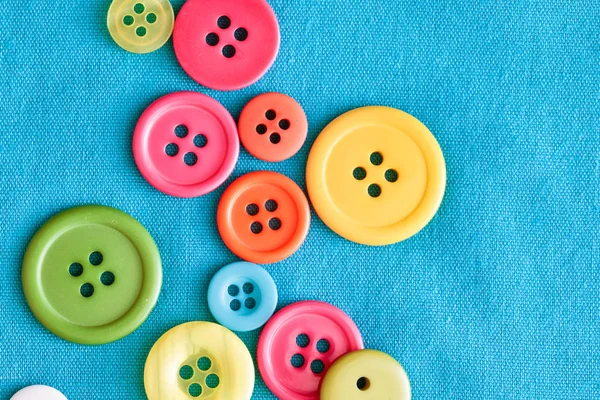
{"type": "Point", "coordinates": [242, 296]}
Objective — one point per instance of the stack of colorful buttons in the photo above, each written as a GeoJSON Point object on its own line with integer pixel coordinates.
{"type": "Point", "coordinates": [375, 175]}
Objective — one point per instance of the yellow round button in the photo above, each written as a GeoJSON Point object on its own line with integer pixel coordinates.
{"type": "Point", "coordinates": [140, 26]}
{"type": "Point", "coordinates": [199, 359]}
{"type": "Point", "coordinates": [376, 175]}
{"type": "Point", "coordinates": [365, 375]}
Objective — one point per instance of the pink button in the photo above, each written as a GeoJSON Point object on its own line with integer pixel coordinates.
{"type": "Point", "coordinates": [185, 144]}
{"type": "Point", "coordinates": [299, 343]}
{"type": "Point", "coordinates": [226, 44]}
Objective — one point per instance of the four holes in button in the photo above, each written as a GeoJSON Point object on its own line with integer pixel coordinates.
{"type": "Point", "coordinates": [189, 158]}
{"type": "Point", "coordinates": [234, 291]}
{"type": "Point", "coordinates": [200, 383]}
{"type": "Point", "coordinates": [374, 190]}
{"type": "Point", "coordinates": [129, 20]}
{"type": "Point", "coordinates": [253, 209]}
{"type": "Point", "coordinates": [95, 258]}
{"type": "Point", "coordinates": [213, 39]}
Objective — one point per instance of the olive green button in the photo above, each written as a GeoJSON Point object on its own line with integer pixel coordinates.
{"type": "Point", "coordinates": [92, 274]}
{"type": "Point", "coordinates": [140, 26]}
{"type": "Point", "coordinates": [365, 375]}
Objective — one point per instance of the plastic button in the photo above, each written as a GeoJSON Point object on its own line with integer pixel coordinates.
{"type": "Point", "coordinates": [140, 26]}
{"type": "Point", "coordinates": [38, 392]}
{"type": "Point", "coordinates": [376, 175]}
{"type": "Point", "coordinates": [242, 296]}
{"type": "Point", "coordinates": [273, 127]}
{"type": "Point", "coordinates": [365, 375]}
{"type": "Point", "coordinates": [263, 217]}
{"type": "Point", "coordinates": [199, 359]}
{"type": "Point", "coordinates": [186, 144]}
{"type": "Point", "coordinates": [299, 343]}
{"type": "Point", "coordinates": [226, 44]}
{"type": "Point", "coordinates": [92, 274]}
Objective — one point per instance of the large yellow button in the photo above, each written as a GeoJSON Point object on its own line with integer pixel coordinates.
{"type": "Point", "coordinates": [376, 175]}
{"type": "Point", "coordinates": [140, 26]}
{"type": "Point", "coordinates": [199, 359]}
{"type": "Point", "coordinates": [365, 375]}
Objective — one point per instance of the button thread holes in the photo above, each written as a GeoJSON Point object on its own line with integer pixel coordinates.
{"type": "Point", "coordinates": [374, 190]}
{"type": "Point", "coordinates": [363, 383]}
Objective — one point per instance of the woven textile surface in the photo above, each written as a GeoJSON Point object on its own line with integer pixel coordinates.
{"type": "Point", "coordinates": [497, 298]}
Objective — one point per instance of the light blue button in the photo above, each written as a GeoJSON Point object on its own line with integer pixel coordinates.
{"type": "Point", "coordinates": [242, 296]}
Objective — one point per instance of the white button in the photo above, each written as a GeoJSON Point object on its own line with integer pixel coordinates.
{"type": "Point", "coordinates": [38, 392]}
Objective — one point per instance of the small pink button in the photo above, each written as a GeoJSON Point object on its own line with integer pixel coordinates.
{"type": "Point", "coordinates": [226, 44]}
{"type": "Point", "coordinates": [299, 344]}
{"type": "Point", "coordinates": [186, 144]}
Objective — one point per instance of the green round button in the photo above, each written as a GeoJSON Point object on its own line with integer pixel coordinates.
{"type": "Point", "coordinates": [140, 26]}
{"type": "Point", "coordinates": [92, 274]}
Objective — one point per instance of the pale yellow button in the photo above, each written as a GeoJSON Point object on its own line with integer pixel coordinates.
{"type": "Point", "coordinates": [199, 360]}
{"type": "Point", "coordinates": [140, 26]}
{"type": "Point", "coordinates": [376, 175]}
{"type": "Point", "coordinates": [365, 375]}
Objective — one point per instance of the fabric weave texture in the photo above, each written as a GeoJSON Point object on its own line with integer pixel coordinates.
{"type": "Point", "coordinates": [497, 298]}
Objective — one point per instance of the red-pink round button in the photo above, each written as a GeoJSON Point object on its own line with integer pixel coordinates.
{"type": "Point", "coordinates": [299, 343]}
{"type": "Point", "coordinates": [186, 144]}
{"type": "Point", "coordinates": [226, 44]}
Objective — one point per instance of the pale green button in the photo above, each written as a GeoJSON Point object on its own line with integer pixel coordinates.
{"type": "Point", "coordinates": [140, 26]}
{"type": "Point", "coordinates": [92, 274]}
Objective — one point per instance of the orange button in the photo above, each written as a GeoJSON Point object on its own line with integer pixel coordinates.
{"type": "Point", "coordinates": [263, 217]}
{"type": "Point", "coordinates": [273, 127]}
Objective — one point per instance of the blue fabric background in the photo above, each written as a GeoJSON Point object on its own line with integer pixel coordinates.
{"type": "Point", "coordinates": [498, 297]}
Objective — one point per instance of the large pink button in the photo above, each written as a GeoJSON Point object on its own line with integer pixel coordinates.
{"type": "Point", "coordinates": [186, 144]}
{"type": "Point", "coordinates": [299, 343]}
{"type": "Point", "coordinates": [226, 44]}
